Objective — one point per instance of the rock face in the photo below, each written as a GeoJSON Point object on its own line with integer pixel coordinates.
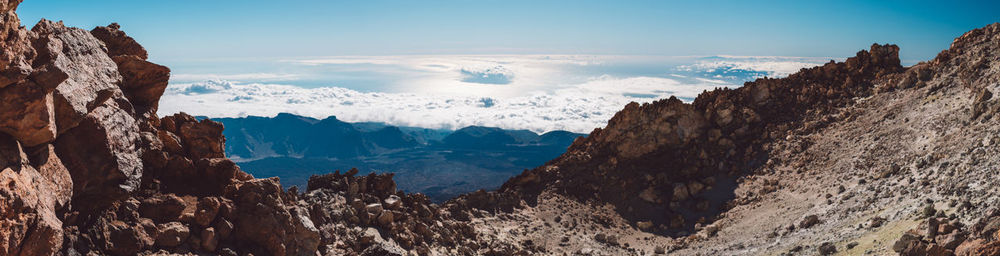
{"type": "Point", "coordinates": [656, 161]}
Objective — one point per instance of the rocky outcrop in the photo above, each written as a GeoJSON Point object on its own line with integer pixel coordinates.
{"type": "Point", "coordinates": [656, 161]}
{"type": "Point", "coordinates": [29, 225]}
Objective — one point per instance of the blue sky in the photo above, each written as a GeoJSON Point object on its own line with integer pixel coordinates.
{"type": "Point", "coordinates": [185, 30]}
{"type": "Point", "coordinates": [540, 65]}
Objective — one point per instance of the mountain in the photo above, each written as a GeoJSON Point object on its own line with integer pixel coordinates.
{"type": "Point", "coordinates": [439, 163]}
{"type": "Point", "coordinates": [857, 157]}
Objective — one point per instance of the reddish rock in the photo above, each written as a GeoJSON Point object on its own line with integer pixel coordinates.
{"type": "Point", "coordinates": [45, 160]}
{"type": "Point", "coordinates": [125, 239]}
{"type": "Point", "coordinates": [172, 234]}
{"type": "Point", "coordinates": [117, 42]}
{"type": "Point", "coordinates": [27, 113]}
{"type": "Point", "coordinates": [208, 208]}
{"type": "Point", "coordinates": [266, 225]}
{"type": "Point", "coordinates": [102, 155]}
{"type": "Point", "coordinates": [203, 139]}
{"type": "Point", "coordinates": [162, 208]}
{"type": "Point", "coordinates": [28, 224]}
{"type": "Point", "coordinates": [92, 77]}
{"type": "Point", "coordinates": [143, 82]}
{"type": "Point", "coordinates": [209, 241]}
{"type": "Point", "coordinates": [15, 59]}
{"type": "Point", "coordinates": [214, 175]}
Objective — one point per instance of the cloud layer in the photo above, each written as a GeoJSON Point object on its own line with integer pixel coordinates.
{"type": "Point", "coordinates": [539, 93]}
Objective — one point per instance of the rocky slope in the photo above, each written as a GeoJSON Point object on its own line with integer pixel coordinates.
{"type": "Point", "coordinates": [859, 157]}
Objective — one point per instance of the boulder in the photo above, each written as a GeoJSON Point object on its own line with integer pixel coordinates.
{"type": "Point", "coordinates": [809, 221]}
{"type": "Point", "coordinates": [125, 239]}
{"type": "Point", "coordinates": [92, 77]}
{"type": "Point", "coordinates": [162, 208]}
{"type": "Point", "coordinates": [172, 234]}
{"type": "Point", "coordinates": [117, 42]}
{"type": "Point", "coordinates": [44, 159]}
{"type": "Point", "coordinates": [827, 248]}
{"type": "Point", "coordinates": [15, 59]}
{"type": "Point", "coordinates": [209, 240]}
{"type": "Point", "coordinates": [265, 225]}
{"type": "Point", "coordinates": [203, 139]}
{"type": "Point", "coordinates": [28, 223]}
{"type": "Point", "coordinates": [27, 113]}
{"type": "Point", "coordinates": [143, 82]}
{"type": "Point", "coordinates": [102, 155]}
{"type": "Point", "coordinates": [208, 208]}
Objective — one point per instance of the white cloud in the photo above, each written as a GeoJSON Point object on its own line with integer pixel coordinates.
{"type": "Point", "coordinates": [239, 77]}
{"type": "Point", "coordinates": [535, 92]}
{"type": "Point", "coordinates": [744, 67]}
{"type": "Point", "coordinates": [579, 108]}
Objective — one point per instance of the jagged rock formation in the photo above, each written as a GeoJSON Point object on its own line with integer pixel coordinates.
{"type": "Point", "coordinates": [655, 161]}
{"type": "Point", "coordinates": [87, 167]}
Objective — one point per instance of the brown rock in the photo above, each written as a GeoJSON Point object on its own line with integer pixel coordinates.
{"type": "Point", "coordinates": [385, 218]}
{"type": "Point", "coordinates": [162, 208]}
{"type": "Point", "coordinates": [44, 159]}
{"type": "Point", "coordinates": [27, 113]}
{"type": "Point", "coordinates": [102, 155]}
{"type": "Point", "coordinates": [117, 42]}
{"type": "Point", "coordinates": [223, 228]}
{"type": "Point", "coordinates": [124, 239]}
{"type": "Point", "coordinates": [266, 225]}
{"type": "Point", "coordinates": [14, 40]}
{"type": "Point", "coordinates": [203, 139]}
{"type": "Point", "coordinates": [978, 247]}
{"type": "Point", "coordinates": [171, 143]}
{"type": "Point", "coordinates": [680, 192]}
{"type": "Point", "coordinates": [28, 224]}
{"type": "Point", "coordinates": [92, 77]}
{"type": "Point", "coordinates": [951, 240]}
{"type": "Point", "coordinates": [392, 202]}
{"type": "Point", "coordinates": [938, 250]}
{"type": "Point", "coordinates": [208, 207]}
{"type": "Point", "coordinates": [143, 82]}
{"type": "Point", "coordinates": [209, 241]}
{"type": "Point", "coordinates": [809, 221]}
{"type": "Point", "coordinates": [172, 234]}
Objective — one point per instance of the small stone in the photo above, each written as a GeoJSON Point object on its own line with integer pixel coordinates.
{"type": "Point", "coordinates": [851, 245]}
{"type": "Point", "coordinates": [172, 234]}
{"type": "Point", "coordinates": [809, 221]}
{"type": "Point", "coordinates": [393, 202]}
{"type": "Point", "coordinates": [208, 207]}
{"type": "Point", "coordinates": [827, 248]}
{"type": "Point", "coordinates": [209, 241]}
{"type": "Point", "coordinates": [644, 225]}
{"type": "Point", "coordinates": [659, 250]}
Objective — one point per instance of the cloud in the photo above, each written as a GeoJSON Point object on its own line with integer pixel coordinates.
{"type": "Point", "coordinates": [736, 68]}
{"type": "Point", "coordinates": [203, 87]}
{"type": "Point", "coordinates": [536, 92]}
{"type": "Point", "coordinates": [491, 75]}
{"type": "Point", "coordinates": [238, 77]}
{"type": "Point", "coordinates": [579, 108]}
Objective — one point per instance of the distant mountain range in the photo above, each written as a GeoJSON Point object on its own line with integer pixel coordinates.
{"type": "Point", "coordinates": [440, 163]}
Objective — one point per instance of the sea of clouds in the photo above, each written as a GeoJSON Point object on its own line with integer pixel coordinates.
{"type": "Point", "coordinates": [538, 93]}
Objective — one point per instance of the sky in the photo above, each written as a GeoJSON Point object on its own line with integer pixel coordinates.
{"type": "Point", "coordinates": [184, 30]}
{"type": "Point", "coordinates": [537, 65]}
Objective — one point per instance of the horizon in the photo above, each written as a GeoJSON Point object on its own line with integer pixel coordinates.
{"type": "Point", "coordinates": [513, 65]}
{"type": "Point", "coordinates": [190, 30]}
